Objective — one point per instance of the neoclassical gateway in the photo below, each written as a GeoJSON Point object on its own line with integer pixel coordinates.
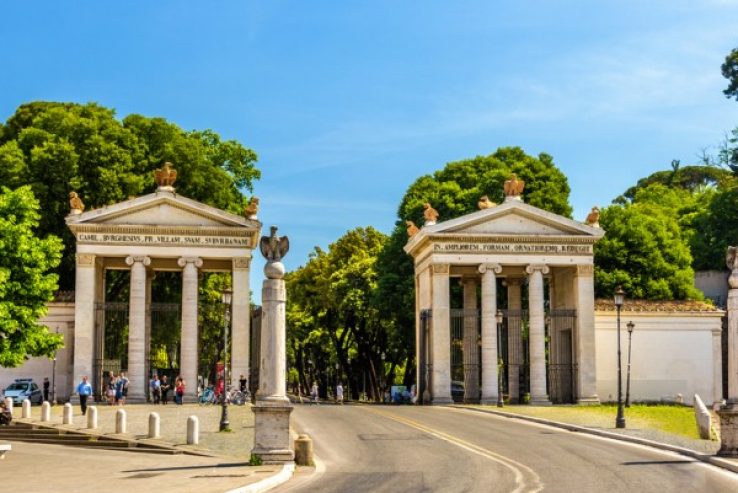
{"type": "Point", "coordinates": [161, 231]}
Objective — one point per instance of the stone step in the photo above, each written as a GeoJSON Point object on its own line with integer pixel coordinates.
{"type": "Point", "coordinates": [19, 430]}
{"type": "Point", "coordinates": [47, 436]}
{"type": "Point", "coordinates": [74, 441]}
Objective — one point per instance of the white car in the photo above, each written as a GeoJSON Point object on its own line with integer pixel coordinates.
{"type": "Point", "coordinates": [22, 389]}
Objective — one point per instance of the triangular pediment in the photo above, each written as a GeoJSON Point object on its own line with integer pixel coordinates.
{"type": "Point", "coordinates": [161, 209]}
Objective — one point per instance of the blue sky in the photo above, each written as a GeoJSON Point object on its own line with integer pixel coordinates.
{"type": "Point", "coordinates": [348, 102]}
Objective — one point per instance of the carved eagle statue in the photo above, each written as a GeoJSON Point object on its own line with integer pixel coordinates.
{"type": "Point", "coordinates": [273, 247]}
{"type": "Point", "coordinates": [731, 258]}
{"type": "Point", "coordinates": [166, 176]}
{"type": "Point", "coordinates": [514, 186]}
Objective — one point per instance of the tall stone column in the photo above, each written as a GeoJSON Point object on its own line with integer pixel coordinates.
{"type": "Point", "coordinates": [717, 366]}
{"type": "Point", "coordinates": [441, 338]}
{"type": "Point", "coordinates": [137, 329]}
{"type": "Point", "coordinates": [585, 336]}
{"type": "Point", "coordinates": [188, 343]}
{"type": "Point", "coordinates": [273, 408]}
{"type": "Point", "coordinates": [514, 338]}
{"type": "Point", "coordinates": [490, 377]}
{"type": "Point", "coordinates": [537, 336]}
{"type": "Point", "coordinates": [471, 341]}
{"type": "Point", "coordinates": [147, 336]}
{"type": "Point", "coordinates": [84, 318]}
{"type": "Point", "coordinates": [240, 340]}
{"type": "Point", "coordinates": [729, 412]}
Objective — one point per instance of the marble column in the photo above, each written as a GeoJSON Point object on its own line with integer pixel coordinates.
{"type": "Point", "coordinates": [585, 336]}
{"type": "Point", "coordinates": [188, 358]}
{"type": "Point", "coordinates": [471, 341]}
{"type": "Point", "coordinates": [729, 413]}
{"type": "Point", "coordinates": [147, 336]}
{"type": "Point", "coordinates": [441, 338]}
{"type": "Point", "coordinates": [84, 319]}
{"type": "Point", "coordinates": [717, 366]}
{"type": "Point", "coordinates": [272, 381]}
{"type": "Point", "coordinates": [240, 336]}
{"type": "Point", "coordinates": [537, 335]}
{"type": "Point", "coordinates": [514, 338]}
{"type": "Point", "coordinates": [137, 329]}
{"type": "Point", "coordinates": [490, 381]}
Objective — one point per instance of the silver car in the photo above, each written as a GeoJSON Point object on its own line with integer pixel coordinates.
{"type": "Point", "coordinates": [23, 389]}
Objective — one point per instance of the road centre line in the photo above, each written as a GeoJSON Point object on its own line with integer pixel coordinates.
{"type": "Point", "coordinates": [518, 469]}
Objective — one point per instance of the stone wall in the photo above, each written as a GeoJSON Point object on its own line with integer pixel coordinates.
{"type": "Point", "coordinates": [674, 353]}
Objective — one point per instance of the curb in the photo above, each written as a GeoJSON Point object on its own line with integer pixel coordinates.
{"type": "Point", "coordinates": [268, 483]}
{"type": "Point", "coordinates": [709, 459]}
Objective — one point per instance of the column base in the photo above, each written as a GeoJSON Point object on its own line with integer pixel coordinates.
{"type": "Point", "coordinates": [540, 401]}
{"type": "Point", "coordinates": [272, 433]}
{"type": "Point", "coordinates": [471, 401]}
{"type": "Point", "coordinates": [589, 401]}
{"type": "Point", "coordinates": [489, 401]}
{"type": "Point", "coordinates": [436, 401]}
{"type": "Point", "coordinates": [135, 399]}
{"type": "Point", "coordinates": [728, 431]}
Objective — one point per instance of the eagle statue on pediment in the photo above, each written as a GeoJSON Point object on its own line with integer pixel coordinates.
{"type": "Point", "coordinates": [166, 176]}
{"type": "Point", "coordinates": [273, 247]}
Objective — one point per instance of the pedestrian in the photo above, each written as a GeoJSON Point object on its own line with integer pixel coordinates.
{"type": "Point", "coordinates": [124, 388]}
{"type": "Point", "coordinates": [84, 389]}
{"type": "Point", "coordinates": [179, 390]}
{"type": "Point", "coordinates": [110, 389]}
{"type": "Point", "coordinates": [242, 383]}
{"type": "Point", "coordinates": [164, 390]}
{"type": "Point", "coordinates": [46, 389]}
{"type": "Point", "coordinates": [339, 393]}
{"type": "Point", "coordinates": [155, 388]}
{"type": "Point", "coordinates": [6, 416]}
{"type": "Point", "coordinates": [314, 392]}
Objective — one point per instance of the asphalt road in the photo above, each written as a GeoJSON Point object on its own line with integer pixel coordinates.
{"type": "Point", "coordinates": [429, 449]}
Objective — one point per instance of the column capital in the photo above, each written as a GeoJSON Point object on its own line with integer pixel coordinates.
{"type": "Point", "coordinates": [585, 270]}
{"type": "Point", "coordinates": [183, 261]}
{"type": "Point", "coordinates": [537, 267]}
{"type": "Point", "coordinates": [441, 268]}
{"type": "Point", "coordinates": [130, 260]}
{"type": "Point", "coordinates": [85, 259]}
{"type": "Point", "coordinates": [241, 262]}
{"type": "Point", "coordinates": [493, 268]}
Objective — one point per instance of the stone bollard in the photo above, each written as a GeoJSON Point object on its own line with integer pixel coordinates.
{"type": "Point", "coordinates": [120, 421]}
{"type": "Point", "coordinates": [193, 430]}
{"type": "Point", "coordinates": [67, 418]}
{"type": "Point", "coordinates": [154, 425]}
{"type": "Point", "coordinates": [9, 405]}
{"type": "Point", "coordinates": [92, 417]}
{"type": "Point", "coordinates": [304, 450]}
{"type": "Point", "coordinates": [26, 410]}
{"type": "Point", "coordinates": [45, 411]}
{"type": "Point", "coordinates": [704, 419]}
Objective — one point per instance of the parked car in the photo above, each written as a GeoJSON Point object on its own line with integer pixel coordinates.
{"type": "Point", "coordinates": [457, 390]}
{"type": "Point", "coordinates": [22, 389]}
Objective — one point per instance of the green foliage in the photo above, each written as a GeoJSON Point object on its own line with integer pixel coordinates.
{"type": "Point", "coordinates": [716, 229]}
{"type": "Point", "coordinates": [690, 178]}
{"type": "Point", "coordinates": [59, 147]}
{"type": "Point", "coordinates": [730, 72]}
{"type": "Point", "coordinates": [644, 249]}
{"type": "Point", "coordinates": [26, 283]}
{"type": "Point", "coordinates": [255, 460]}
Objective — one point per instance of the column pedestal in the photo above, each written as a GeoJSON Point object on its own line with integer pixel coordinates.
{"type": "Point", "coordinates": [272, 433]}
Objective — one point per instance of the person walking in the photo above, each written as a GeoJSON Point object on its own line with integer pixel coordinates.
{"type": "Point", "coordinates": [6, 416]}
{"type": "Point", "coordinates": [164, 389]}
{"type": "Point", "coordinates": [110, 389]}
{"type": "Point", "coordinates": [84, 389]}
{"type": "Point", "coordinates": [314, 392]}
{"type": "Point", "coordinates": [339, 393]}
{"type": "Point", "coordinates": [155, 388]}
{"type": "Point", "coordinates": [123, 381]}
{"type": "Point", "coordinates": [46, 389]}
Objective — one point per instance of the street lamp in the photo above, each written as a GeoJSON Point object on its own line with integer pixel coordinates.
{"type": "Point", "coordinates": [53, 377]}
{"type": "Point", "coordinates": [630, 326]}
{"type": "Point", "coordinates": [226, 299]}
{"type": "Point", "coordinates": [501, 362]}
{"type": "Point", "coordinates": [381, 380]}
{"type": "Point", "coordinates": [620, 419]}
{"type": "Point", "coordinates": [336, 392]}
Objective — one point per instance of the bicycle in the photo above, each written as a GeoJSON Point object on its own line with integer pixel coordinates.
{"type": "Point", "coordinates": [237, 397]}
{"type": "Point", "coordinates": [207, 397]}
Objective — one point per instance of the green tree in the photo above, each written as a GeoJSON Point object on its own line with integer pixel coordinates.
{"type": "Point", "coordinates": [644, 249]}
{"type": "Point", "coordinates": [730, 72]}
{"type": "Point", "coordinates": [26, 283]}
{"type": "Point", "coordinates": [59, 147]}
{"type": "Point", "coordinates": [693, 178]}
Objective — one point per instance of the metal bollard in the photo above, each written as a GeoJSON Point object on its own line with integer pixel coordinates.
{"type": "Point", "coordinates": [120, 421]}
{"type": "Point", "coordinates": [193, 430]}
{"type": "Point", "coordinates": [26, 412]}
{"type": "Point", "coordinates": [45, 411]}
{"type": "Point", "coordinates": [67, 418]}
{"type": "Point", "coordinates": [9, 405]}
{"type": "Point", "coordinates": [304, 451]}
{"type": "Point", "coordinates": [92, 417]}
{"type": "Point", "coordinates": [154, 427]}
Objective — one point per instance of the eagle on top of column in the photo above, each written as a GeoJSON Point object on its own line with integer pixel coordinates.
{"type": "Point", "coordinates": [273, 247]}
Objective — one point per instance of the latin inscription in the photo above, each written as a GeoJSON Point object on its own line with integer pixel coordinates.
{"type": "Point", "coordinates": [511, 248]}
{"type": "Point", "coordinates": [164, 240]}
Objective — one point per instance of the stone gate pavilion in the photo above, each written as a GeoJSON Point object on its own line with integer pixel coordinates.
{"type": "Point", "coordinates": [161, 231]}
{"type": "Point", "coordinates": [537, 269]}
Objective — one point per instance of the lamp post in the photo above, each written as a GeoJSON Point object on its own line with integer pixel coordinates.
{"type": "Point", "coordinates": [630, 327]}
{"type": "Point", "coordinates": [226, 298]}
{"type": "Point", "coordinates": [381, 380]}
{"type": "Point", "coordinates": [500, 361]}
{"type": "Point", "coordinates": [620, 419]}
{"type": "Point", "coordinates": [337, 377]}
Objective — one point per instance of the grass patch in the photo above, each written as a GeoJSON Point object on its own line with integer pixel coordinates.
{"type": "Point", "coordinates": [677, 420]}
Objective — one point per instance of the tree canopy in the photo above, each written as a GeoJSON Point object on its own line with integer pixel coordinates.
{"type": "Point", "coordinates": [26, 280]}
{"type": "Point", "coordinates": [59, 147]}
{"type": "Point", "coordinates": [730, 72]}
